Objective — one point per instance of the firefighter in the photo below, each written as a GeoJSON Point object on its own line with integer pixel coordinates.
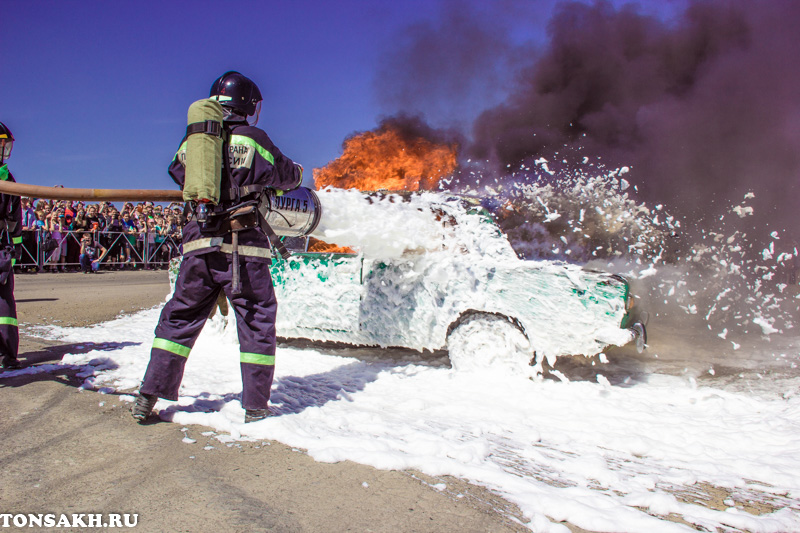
{"type": "Point", "coordinates": [10, 247]}
{"type": "Point", "coordinates": [209, 265]}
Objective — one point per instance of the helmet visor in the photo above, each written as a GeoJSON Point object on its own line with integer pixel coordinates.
{"type": "Point", "coordinates": [8, 144]}
{"type": "Point", "coordinates": [253, 119]}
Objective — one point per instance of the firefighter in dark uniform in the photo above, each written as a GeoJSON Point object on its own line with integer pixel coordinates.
{"type": "Point", "coordinates": [208, 266]}
{"type": "Point", "coordinates": [10, 245]}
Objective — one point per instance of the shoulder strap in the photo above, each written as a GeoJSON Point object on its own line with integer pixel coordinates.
{"type": "Point", "coordinates": [226, 154]}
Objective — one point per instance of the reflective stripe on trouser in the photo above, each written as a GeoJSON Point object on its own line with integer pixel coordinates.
{"type": "Point", "coordinates": [9, 331]}
{"type": "Point", "coordinates": [199, 280]}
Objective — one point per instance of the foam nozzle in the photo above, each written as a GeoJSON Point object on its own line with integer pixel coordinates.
{"type": "Point", "coordinates": [202, 213]}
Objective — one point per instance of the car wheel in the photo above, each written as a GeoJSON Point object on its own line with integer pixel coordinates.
{"type": "Point", "coordinates": [639, 336]}
{"type": "Point", "coordinates": [482, 340]}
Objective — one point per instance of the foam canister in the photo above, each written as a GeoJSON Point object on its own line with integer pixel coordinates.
{"type": "Point", "coordinates": [293, 214]}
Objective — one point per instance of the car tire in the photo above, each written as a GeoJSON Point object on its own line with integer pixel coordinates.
{"type": "Point", "coordinates": [639, 336]}
{"type": "Point", "coordinates": [481, 341]}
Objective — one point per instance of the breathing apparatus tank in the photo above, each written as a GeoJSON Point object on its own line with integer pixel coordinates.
{"type": "Point", "coordinates": [204, 151]}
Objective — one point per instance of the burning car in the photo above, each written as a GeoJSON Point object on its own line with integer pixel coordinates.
{"type": "Point", "coordinates": [440, 274]}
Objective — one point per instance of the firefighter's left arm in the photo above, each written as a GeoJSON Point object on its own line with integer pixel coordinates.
{"type": "Point", "coordinates": [177, 168]}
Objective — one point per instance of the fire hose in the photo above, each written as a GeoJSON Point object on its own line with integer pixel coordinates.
{"type": "Point", "coordinates": [108, 195]}
{"type": "Point", "coordinates": [292, 214]}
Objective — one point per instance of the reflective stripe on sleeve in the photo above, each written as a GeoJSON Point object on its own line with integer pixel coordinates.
{"type": "Point", "coordinates": [181, 149]}
{"type": "Point", "coordinates": [8, 321]}
{"type": "Point", "coordinates": [257, 359]}
{"type": "Point", "coordinates": [173, 347]}
{"type": "Point", "coordinates": [16, 240]}
{"type": "Point", "coordinates": [216, 242]}
{"type": "Point", "coordinates": [300, 181]}
{"type": "Point", "coordinates": [247, 141]}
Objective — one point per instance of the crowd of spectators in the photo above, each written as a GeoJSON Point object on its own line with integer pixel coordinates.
{"type": "Point", "coordinates": [54, 234]}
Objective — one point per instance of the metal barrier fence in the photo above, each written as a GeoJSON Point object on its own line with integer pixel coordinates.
{"type": "Point", "coordinates": [145, 250]}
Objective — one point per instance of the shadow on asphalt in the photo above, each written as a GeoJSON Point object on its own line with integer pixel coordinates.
{"type": "Point", "coordinates": [41, 365]}
{"type": "Point", "coordinates": [292, 394]}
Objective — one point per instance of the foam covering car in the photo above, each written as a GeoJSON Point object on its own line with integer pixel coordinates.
{"type": "Point", "coordinates": [454, 284]}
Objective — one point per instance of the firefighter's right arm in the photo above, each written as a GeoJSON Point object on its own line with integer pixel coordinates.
{"type": "Point", "coordinates": [273, 169]}
{"type": "Point", "coordinates": [290, 174]}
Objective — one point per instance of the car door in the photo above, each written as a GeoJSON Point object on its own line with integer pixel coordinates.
{"type": "Point", "coordinates": [321, 292]}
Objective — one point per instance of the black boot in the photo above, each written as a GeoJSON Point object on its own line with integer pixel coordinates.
{"type": "Point", "coordinates": [11, 363]}
{"type": "Point", "coordinates": [143, 406]}
{"type": "Point", "coordinates": [254, 415]}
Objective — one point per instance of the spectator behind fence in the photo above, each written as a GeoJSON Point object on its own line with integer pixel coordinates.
{"type": "Point", "coordinates": [80, 223]}
{"type": "Point", "coordinates": [28, 233]}
{"type": "Point", "coordinates": [129, 227]}
{"type": "Point", "coordinates": [28, 213]}
{"type": "Point", "coordinates": [58, 232]}
{"type": "Point", "coordinates": [148, 235]}
{"type": "Point", "coordinates": [96, 222]}
{"type": "Point", "coordinates": [69, 212]}
{"type": "Point", "coordinates": [40, 222]}
{"type": "Point", "coordinates": [91, 254]}
{"type": "Point", "coordinates": [115, 238]}
{"type": "Point", "coordinates": [137, 235]}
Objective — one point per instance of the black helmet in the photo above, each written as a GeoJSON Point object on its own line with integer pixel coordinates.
{"type": "Point", "coordinates": [237, 92]}
{"type": "Point", "coordinates": [6, 142]}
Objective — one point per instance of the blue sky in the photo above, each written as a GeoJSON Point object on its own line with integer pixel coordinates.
{"type": "Point", "coordinates": [96, 92]}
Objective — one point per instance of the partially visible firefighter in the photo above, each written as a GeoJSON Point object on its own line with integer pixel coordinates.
{"type": "Point", "coordinates": [10, 248]}
{"type": "Point", "coordinates": [224, 166]}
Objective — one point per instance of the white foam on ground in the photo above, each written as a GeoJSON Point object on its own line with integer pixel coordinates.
{"type": "Point", "coordinates": [603, 457]}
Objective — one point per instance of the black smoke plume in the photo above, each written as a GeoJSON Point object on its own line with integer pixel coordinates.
{"type": "Point", "coordinates": [411, 127]}
{"type": "Point", "coordinates": [704, 109]}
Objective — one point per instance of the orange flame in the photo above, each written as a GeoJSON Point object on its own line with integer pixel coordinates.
{"type": "Point", "coordinates": [388, 159]}
{"type": "Point", "coordinates": [322, 247]}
